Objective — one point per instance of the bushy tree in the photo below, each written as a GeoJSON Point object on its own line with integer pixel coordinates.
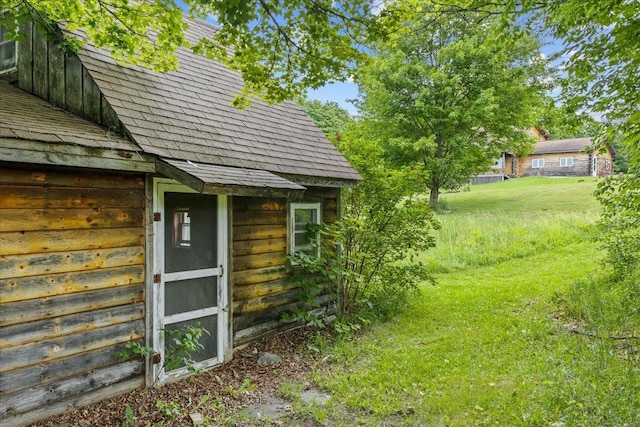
{"type": "Point", "coordinates": [373, 272]}
{"type": "Point", "coordinates": [330, 117]}
{"type": "Point", "coordinates": [448, 97]}
{"type": "Point", "coordinates": [562, 122]}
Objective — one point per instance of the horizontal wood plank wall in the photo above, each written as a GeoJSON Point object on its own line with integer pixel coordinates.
{"type": "Point", "coordinates": [262, 291]}
{"type": "Point", "coordinates": [552, 165]}
{"type": "Point", "coordinates": [48, 72]}
{"type": "Point", "coordinates": [71, 288]}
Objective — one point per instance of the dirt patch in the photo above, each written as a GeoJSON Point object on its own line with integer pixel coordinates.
{"type": "Point", "coordinates": [218, 394]}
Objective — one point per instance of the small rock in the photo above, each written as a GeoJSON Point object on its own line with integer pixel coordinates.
{"type": "Point", "coordinates": [268, 359]}
{"type": "Point", "coordinates": [196, 419]}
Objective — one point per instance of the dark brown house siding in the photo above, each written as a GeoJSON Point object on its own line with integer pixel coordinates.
{"type": "Point", "coordinates": [71, 288]}
{"type": "Point", "coordinates": [262, 290]}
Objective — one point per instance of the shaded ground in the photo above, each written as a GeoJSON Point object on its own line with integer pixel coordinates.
{"type": "Point", "coordinates": [218, 395]}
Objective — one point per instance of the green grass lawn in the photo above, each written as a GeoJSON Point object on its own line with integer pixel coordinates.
{"type": "Point", "coordinates": [490, 344]}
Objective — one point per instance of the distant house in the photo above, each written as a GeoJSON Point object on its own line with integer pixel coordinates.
{"type": "Point", "coordinates": [133, 202]}
{"type": "Point", "coordinates": [563, 157]}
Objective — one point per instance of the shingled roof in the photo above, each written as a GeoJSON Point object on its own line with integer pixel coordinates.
{"type": "Point", "coordinates": [27, 117]}
{"type": "Point", "coordinates": [575, 145]}
{"type": "Point", "coordinates": [186, 115]}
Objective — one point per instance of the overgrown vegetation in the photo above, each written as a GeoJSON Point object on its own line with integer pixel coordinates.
{"type": "Point", "coordinates": [526, 339]}
{"type": "Point", "coordinates": [373, 273]}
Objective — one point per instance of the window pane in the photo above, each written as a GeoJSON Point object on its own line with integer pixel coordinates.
{"type": "Point", "coordinates": [301, 239]}
{"type": "Point", "coordinates": [7, 51]}
{"type": "Point", "coordinates": [191, 294]}
{"type": "Point", "coordinates": [182, 228]}
{"type": "Point", "coordinates": [7, 56]}
{"type": "Point", "coordinates": [305, 216]}
{"type": "Point", "coordinates": [302, 215]}
{"type": "Point", "coordinates": [190, 232]}
{"type": "Point", "coordinates": [209, 341]}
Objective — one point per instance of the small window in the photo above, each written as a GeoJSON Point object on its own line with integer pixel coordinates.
{"type": "Point", "coordinates": [537, 163]}
{"type": "Point", "coordinates": [8, 51]}
{"type": "Point", "coordinates": [499, 164]}
{"type": "Point", "coordinates": [181, 228]}
{"type": "Point", "coordinates": [566, 161]}
{"type": "Point", "coordinates": [302, 215]}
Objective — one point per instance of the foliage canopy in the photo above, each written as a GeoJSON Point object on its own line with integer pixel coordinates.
{"type": "Point", "coordinates": [328, 116]}
{"type": "Point", "coordinates": [447, 98]}
{"type": "Point", "coordinates": [281, 48]}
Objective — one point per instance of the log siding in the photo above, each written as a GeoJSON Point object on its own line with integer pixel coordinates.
{"type": "Point", "coordinates": [261, 286]}
{"type": "Point", "coordinates": [72, 266]}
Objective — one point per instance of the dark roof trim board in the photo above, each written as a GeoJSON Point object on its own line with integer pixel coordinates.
{"type": "Point", "coordinates": [310, 181]}
{"type": "Point", "coordinates": [21, 150]}
{"type": "Point", "coordinates": [214, 179]}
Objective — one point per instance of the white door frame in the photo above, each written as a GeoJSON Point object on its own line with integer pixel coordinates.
{"type": "Point", "coordinates": [160, 186]}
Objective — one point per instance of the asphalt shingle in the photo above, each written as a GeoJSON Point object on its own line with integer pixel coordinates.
{"type": "Point", "coordinates": [26, 116]}
{"type": "Point", "coordinates": [195, 104]}
{"type": "Point", "coordinates": [575, 145]}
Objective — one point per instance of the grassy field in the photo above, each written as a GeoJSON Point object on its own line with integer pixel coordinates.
{"type": "Point", "coordinates": [492, 343]}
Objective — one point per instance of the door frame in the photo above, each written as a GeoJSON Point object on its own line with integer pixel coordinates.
{"type": "Point", "coordinates": [160, 186]}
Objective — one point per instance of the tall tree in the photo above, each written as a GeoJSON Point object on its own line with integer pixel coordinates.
{"type": "Point", "coordinates": [280, 47]}
{"type": "Point", "coordinates": [447, 98]}
{"type": "Point", "coordinates": [602, 63]}
{"type": "Point", "coordinates": [601, 54]}
{"type": "Point", "coordinates": [330, 117]}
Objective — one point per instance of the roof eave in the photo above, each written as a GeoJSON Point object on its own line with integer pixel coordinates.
{"type": "Point", "coordinates": [323, 181]}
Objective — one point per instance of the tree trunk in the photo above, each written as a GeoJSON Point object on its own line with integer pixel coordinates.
{"type": "Point", "coordinates": [434, 194]}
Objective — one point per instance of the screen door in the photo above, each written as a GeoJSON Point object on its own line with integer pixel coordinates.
{"type": "Point", "coordinates": [192, 290]}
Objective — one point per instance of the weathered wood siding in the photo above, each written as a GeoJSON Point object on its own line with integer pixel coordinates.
{"type": "Point", "coordinates": [262, 291]}
{"type": "Point", "coordinates": [59, 77]}
{"type": "Point", "coordinates": [552, 165]}
{"type": "Point", "coordinates": [605, 163]}
{"type": "Point", "coordinates": [71, 288]}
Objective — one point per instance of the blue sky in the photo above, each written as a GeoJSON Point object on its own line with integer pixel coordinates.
{"type": "Point", "coordinates": [337, 92]}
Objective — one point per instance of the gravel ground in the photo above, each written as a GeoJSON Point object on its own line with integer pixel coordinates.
{"type": "Point", "coordinates": [229, 388]}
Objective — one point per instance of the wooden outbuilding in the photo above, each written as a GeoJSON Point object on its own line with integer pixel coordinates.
{"type": "Point", "coordinates": [133, 202]}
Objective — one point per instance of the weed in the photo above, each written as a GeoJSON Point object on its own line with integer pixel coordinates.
{"type": "Point", "coordinates": [129, 418]}
{"type": "Point", "coordinates": [168, 409]}
{"type": "Point", "coordinates": [245, 388]}
{"type": "Point", "coordinates": [180, 346]}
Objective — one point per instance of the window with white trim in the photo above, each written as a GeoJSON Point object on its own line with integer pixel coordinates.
{"type": "Point", "coordinates": [537, 163]}
{"type": "Point", "coordinates": [566, 161]}
{"type": "Point", "coordinates": [300, 237]}
{"type": "Point", "coordinates": [8, 51]}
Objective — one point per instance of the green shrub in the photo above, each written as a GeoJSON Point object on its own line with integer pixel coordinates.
{"type": "Point", "coordinates": [620, 223]}
{"type": "Point", "coordinates": [368, 257]}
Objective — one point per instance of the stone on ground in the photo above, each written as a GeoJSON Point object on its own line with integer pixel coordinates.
{"type": "Point", "coordinates": [268, 359]}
